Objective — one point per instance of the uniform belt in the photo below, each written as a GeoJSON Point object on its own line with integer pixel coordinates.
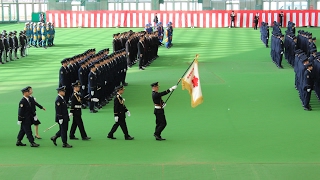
{"type": "Point", "coordinates": [157, 107]}
{"type": "Point", "coordinates": [78, 106]}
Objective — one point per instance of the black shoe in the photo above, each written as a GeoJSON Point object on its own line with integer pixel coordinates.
{"type": "Point", "coordinates": [157, 137]}
{"type": "Point", "coordinates": [84, 106]}
{"type": "Point", "coordinates": [86, 138]}
{"type": "Point", "coordinates": [129, 138]}
{"type": "Point", "coordinates": [19, 143]}
{"type": "Point", "coordinates": [307, 109]}
{"type": "Point", "coordinates": [66, 145]}
{"type": "Point", "coordinates": [93, 111]}
{"type": "Point", "coordinates": [125, 84]}
{"type": "Point", "coordinates": [74, 138]}
{"type": "Point", "coordinates": [37, 137]}
{"type": "Point", "coordinates": [111, 137]}
{"type": "Point", "coordinates": [34, 144]}
{"type": "Point", "coordinates": [54, 139]}
{"type": "Point", "coordinates": [141, 68]}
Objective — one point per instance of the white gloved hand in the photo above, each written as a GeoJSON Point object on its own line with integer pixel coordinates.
{"type": "Point", "coordinates": [173, 88]}
{"type": "Point", "coordinates": [95, 99]}
{"type": "Point", "coordinates": [92, 93]}
{"type": "Point", "coordinates": [83, 87]}
{"type": "Point", "coordinates": [281, 52]}
{"type": "Point", "coordinates": [105, 82]}
{"type": "Point", "coordinates": [19, 122]}
{"type": "Point", "coordinates": [70, 114]}
{"type": "Point", "coordinates": [35, 118]}
{"type": "Point", "coordinates": [164, 105]}
{"type": "Point", "coordinates": [128, 113]}
{"type": "Point", "coordinates": [308, 90]}
{"type": "Point", "coordinates": [124, 70]}
{"type": "Point", "coordinates": [116, 118]}
{"type": "Point", "coordinates": [60, 121]}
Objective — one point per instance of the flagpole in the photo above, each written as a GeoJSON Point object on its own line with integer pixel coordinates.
{"type": "Point", "coordinates": [196, 58]}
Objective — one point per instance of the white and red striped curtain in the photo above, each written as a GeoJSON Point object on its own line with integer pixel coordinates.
{"type": "Point", "coordinates": [203, 19]}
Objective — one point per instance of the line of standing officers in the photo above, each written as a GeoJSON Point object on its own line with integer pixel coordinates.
{"type": "Point", "coordinates": [10, 43]}
{"type": "Point", "coordinates": [301, 53]}
{"type": "Point", "coordinates": [139, 46]}
{"type": "Point", "coordinates": [99, 74]}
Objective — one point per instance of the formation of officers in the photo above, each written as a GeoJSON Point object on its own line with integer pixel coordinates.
{"type": "Point", "coordinates": [138, 46]}
{"type": "Point", "coordinates": [34, 34]}
{"type": "Point", "coordinates": [27, 114]}
{"type": "Point", "coordinates": [39, 34]}
{"type": "Point", "coordinates": [10, 43]}
{"type": "Point", "coordinates": [98, 73]}
{"type": "Point", "coordinates": [300, 51]}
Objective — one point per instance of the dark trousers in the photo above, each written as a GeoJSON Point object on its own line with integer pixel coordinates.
{"type": "Point", "coordinates": [306, 99]}
{"type": "Point", "coordinates": [91, 103]}
{"type": "Point", "coordinates": [63, 130]}
{"type": "Point", "coordinates": [161, 122]}
{"type": "Point", "coordinates": [77, 122]}
{"type": "Point", "coordinates": [141, 61]}
{"type": "Point", "coordinates": [232, 22]}
{"type": "Point", "coordinates": [25, 129]}
{"type": "Point", "coordinates": [1, 56]}
{"type": "Point", "coordinates": [122, 123]}
{"type": "Point", "coordinates": [255, 25]}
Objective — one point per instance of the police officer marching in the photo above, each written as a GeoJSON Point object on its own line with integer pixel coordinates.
{"type": "Point", "coordinates": [25, 119]}
{"type": "Point", "coordinates": [75, 111]}
{"type": "Point", "coordinates": [62, 117]}
{"type": "Point", "coordinates": [120, 111]}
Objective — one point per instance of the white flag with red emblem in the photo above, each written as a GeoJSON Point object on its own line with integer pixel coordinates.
{"type": "Point", "coordinates": [191, 82]}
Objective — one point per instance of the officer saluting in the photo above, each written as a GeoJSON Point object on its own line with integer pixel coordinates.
{"type": "Point", "coordinates": [62, 117]}
{"type": "Point", "coordinates": [75, 111]}
{"type": "Point", "coordinates": [119, 115]}
{"type": "Point", "coordinates": [25, 119]}
{"type": "Point", "coordinates": [161, 122]}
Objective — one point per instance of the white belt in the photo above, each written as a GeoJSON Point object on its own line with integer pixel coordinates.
{"type": "Point", "coordinates": [157, 107]}
{"type": "Point", "coordinates": [78, 106]}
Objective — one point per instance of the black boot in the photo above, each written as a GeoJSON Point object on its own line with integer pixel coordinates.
{"type": "Point", "coordinates": [19, 143]}
{"type": "Point", "coordinates": [33, 144]}
{"type": "Point", "coordinates": [54, 139]}
{"type": "Point", "coordinates": [66, 145]}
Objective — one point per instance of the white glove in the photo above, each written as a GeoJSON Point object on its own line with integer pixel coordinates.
{"type": "Point", "coordinates": [60, 121]}
{"type": "Point", "coordinates": [35, 118]}
{"type": "Point", "coordinates": [116, 118]}
{"type": "Point", "coordinates": [308, 90]}
{"type": "Point", "coordinates": [124, 70]}
{"type": "Point", "coordinates": [83, 87]}
{"type": "Point", "coordinates": [105, 82]}
{"type": "Point", "coordinates": [173, 88]}
{"type": "Point", "coordinates": [128, 113]}
{"type": "Point", "coordinates": [70, 114]}
{"type": "Point", "coordinates": [95, 99]}
{"type": "Point", "coordinates": [92, 93]}
{"type": "Point", "coordinates": [164, 105]}
{"type": "Point", "coordinates": [19, 123]}
{"type": "Point", "coordinates": [281, 52]}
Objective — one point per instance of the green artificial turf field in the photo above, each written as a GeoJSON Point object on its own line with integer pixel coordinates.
{"type": "Point", "coordinates": [251, 124]}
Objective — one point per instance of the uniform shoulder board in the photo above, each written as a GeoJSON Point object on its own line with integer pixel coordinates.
{"type": "Point", "coordinates": [21, 105]}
